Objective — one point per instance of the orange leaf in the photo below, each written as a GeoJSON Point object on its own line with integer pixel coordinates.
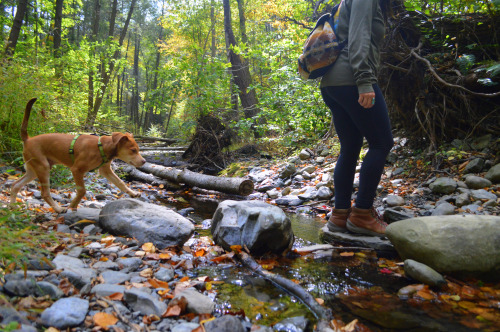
{"type": "Point", "coordinates": [149, 247]}
{"type": "Point", "coordinates": [116, 296]}
{"type": "Point", "coordinates": [236, 248]}
{"type": "Point", "coordinates": [347, 254]}
{"type": "Point", "coordinates": [165, 256]}
{"type": "Point", "coordinates": [186, 278]}
{"type": "Point", "coordinates": [200, 253]}
{"type": "Point", "coordinates": [173, 311]}
{"type": "Point", "coordinates": [425, 294]}
{"type": "Point", "coordinates": [104, 320]}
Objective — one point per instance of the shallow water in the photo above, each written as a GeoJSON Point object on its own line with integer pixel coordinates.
{"type": "Point", "coordinates": [327, 277]}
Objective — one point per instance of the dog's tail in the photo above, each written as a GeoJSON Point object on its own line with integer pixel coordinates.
{"type": "Point", "coordinates": [24, 126]}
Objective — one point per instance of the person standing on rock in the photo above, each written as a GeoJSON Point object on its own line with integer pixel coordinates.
{"type": "Point", "coordinates": [359, 111]}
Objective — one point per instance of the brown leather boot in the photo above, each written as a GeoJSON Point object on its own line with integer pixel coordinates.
{"type": "Point", "coordinates": [366, 221]}
{"type": "Point", "coordinates": [338, 220]}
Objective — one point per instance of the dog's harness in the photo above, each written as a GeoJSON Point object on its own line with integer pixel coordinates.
{"type": "Point", "coordinates": [99, 145]}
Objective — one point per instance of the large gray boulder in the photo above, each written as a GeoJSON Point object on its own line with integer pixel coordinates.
{"type": "Point", "coordinates": [259, 226]}
{"type": "Point", "coordinates": [146, 222]}
{"type": "Point", "coordinates": [456, 245]}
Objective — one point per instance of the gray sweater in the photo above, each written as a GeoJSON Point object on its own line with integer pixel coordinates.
{"type": "Point", "coordinates": [362, 23]}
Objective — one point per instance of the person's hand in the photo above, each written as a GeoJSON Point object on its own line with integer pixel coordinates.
{"type": "Point", "coordinates": [367, 100]}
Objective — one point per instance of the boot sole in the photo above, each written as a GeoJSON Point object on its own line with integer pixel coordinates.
{"type": "Point", "coordinates": [355, 229]}
{"type": "Point", "coordinates": [334, 228]}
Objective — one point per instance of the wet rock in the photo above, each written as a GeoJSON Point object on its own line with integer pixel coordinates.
{"type": "Point", "coordinates": [447, 243]}
{"type": "Point", "coordinates": [259, 226]}
{"type": "Point", "coordinates": [324, 193]}
{"type": "Point", "coordinates": [145, 303]}
{"type": "Point", "coordinates": [61, 228]}
{"type": "Point", "coordinates": [443, 185]}
{"type": "Point", "coordinates": [289, 200]}
{"type": "Point", "coordinates": [46, 288]}
{"type": "Point", "coordinates": [129, 264]}
{"type": "Point", "coordinates": [358, 240]}
{"type": "Point", "coordinates": [480, 194]}
{"type": "Point", "coordinates": [91, 230]}
{"type": "Point", "coordinates": [226, 323]}
{"type": "Point", "coordinates": [115, 277]}
{"type": "Point", "coordinates": [471, 208]}
{"type": "Point", "coordinates": [490, 203]}
{"type": "Point", "coordinates": [288, 171]}
{"type": "Point", "coordinates": [63, 262]}
{"type": "Point", "coordinates": [494, 174]}
{"type": "Point", "coordinates": [64, 313]}
{"type": "Point", "coordinates": [477, 182]}
{"type": "Point", "coordinates": [423, 273]}
{"type": "Point", "coordinates": [146, 222]}
{"type": "Point", "coordinates": [474, 166]}
{"type": "Point", "coordinates": [165, 274]}
{"type": "Point", "coordinates": [309, 195]}
{"type": "Point", "coordinates": [444, 209]}
{"type": "Point", "coordinates": [197, 303]}
{"type": "Point", "coordinates": [75, 252]}
{"type": "Point", "coordinates": [20, 287]}
{"type": "Point", "coordinates": [259, 174]}
{"type": "Point", "coordinates": [293, 324]}
{"type": "Point", "coordinates": [394, 200]}
{"type": "Point", "coordinates": [39, 264]}
{"type": "Point", "coordinates": [107, 289]}
{"type": "Point", "coordinates": [185, 212]}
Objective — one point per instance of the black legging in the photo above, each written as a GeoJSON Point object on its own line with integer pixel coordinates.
{"type": "Point", "coordinates": [352, 123]}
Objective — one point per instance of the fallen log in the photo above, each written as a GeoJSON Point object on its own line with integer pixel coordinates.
{"type": "Point", "coordinates": [149, 178]}
{"type": "Point", "coordinates": [148, 138]}
{"type": "Point", "coordinates": [164, 148]}
{"type": "Point", "coordinates": [324, 315]}
{"type": "Point", "coordinates": [237, 186]}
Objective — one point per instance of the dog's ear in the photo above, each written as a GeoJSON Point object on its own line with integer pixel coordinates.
{"type": "Point", "coordinates": [118, 137]}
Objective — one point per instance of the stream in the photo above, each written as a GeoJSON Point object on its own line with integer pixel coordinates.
{"type": "Point", "coordinates": [351, 286]}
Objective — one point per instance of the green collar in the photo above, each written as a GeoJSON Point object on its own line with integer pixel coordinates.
{"type": "Point", "coordinates": [99, 145]}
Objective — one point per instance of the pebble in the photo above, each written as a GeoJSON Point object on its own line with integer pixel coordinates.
{"type": "Point", "coordinates": [444, 209]}
{"type": "Point", "coordinates": [394, 200]}
{"type": "Point", "coordinates": [145, 303]}
{"type": "Point", "coordinates": [115, 277]}
{"type": "Point", "coordinates": [196, 302]}
{"type": "Point", "coordinates": [482, 194]}
{"type": "Point", "coordinates": [423, 273]}
{"type": "Point", "coordinates": [477, 182]}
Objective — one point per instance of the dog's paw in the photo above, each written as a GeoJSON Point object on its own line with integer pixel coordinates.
{"type": "Point", "coordinates": [134, 194]}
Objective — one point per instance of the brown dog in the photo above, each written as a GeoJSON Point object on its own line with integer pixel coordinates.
{"type": "Point", "coordinates": [43, 151]}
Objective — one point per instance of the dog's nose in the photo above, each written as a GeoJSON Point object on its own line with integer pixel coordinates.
{"type": "Point", "coordinates": [143, 161]}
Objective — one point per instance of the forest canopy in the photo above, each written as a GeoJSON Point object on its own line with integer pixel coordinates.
{"type": "Point", "coordinates": [157, 67]}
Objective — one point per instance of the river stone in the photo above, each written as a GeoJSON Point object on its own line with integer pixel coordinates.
{"type": "Point", "coordinates": [474, 166]}
{"type": "Point", "coordinates": [477, 182]}
{"type": "Point", "coordinates": [304, 155]}
{"type": "Point", "coordinates": [197, 303]}
{"type": "Point", "coordinates": [394, 200]}
{"type": "Point", "coordinates": [480, 194]}
{"type": "Point", "coordinates": [288, 171]}
{"type": "Point", "coordinates": [8, 314]}
{"type": "Point", "coordinates": [107, 289]}
{"type": "Point", "coordinates": [494, 174]}
{"type": "Point", "coordinates": [398, 213]}
{"type": "Point", "coordinates": [67, 312]}
{"type": "Point", "coordinates": [259, 226]}
{"type": "Point", "coordinates": [20, 287]}
{"type": "Point", "coordinates": [107, 265]}
{"type": "Point", "coordinates": [423, 273]}
{"type": "Point", "coordinates": [444, 209]}
{"type": "Point", "coordinates": [145, 303]}
{"type": "Point", "coordinates": [146, 222]}
{"type": "Point", "coordinates": [455, 245]}
{"type": "Point", "coordinates": [79, 277]}
{"type": "Point", "coordinates": [83, 213]}
{"type": "Point", "coordinates": [443, 185]}
{"type": "Point", "coordinates": [185, 327]}
{"type": "Point", "coordinates": [46, 288]}
{"type": "Point", "coordinates": [115, 277]}
{"type": "Point", "coordinates": [462, 199]}
{"type": "Point", "coordinates": [165, 274]}
{"type": "Point", "coordinates": [324, 193]}
{"type": "Point", "coordinates": [63, 262]}
{"type": "Point", "coordinates": [129, 264]}
{"type": "Point", "coordinates": [227, 323]}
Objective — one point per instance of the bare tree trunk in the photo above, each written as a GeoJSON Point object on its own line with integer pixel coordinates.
{"type": "Point", "coordinates": [93, 38]}
{"type": "Point", "coordinates": [240, 70]}
{"type": "Point", "coordinates": [243, 26]}
{"type": "Point", "coordinates": [22, 5]}
{"type": "Point", "coordinates": [212, 20]}
{"type": "Point", "coordinates": [57, 36]}
{"type": "Point", "coordinates": [89, 123]}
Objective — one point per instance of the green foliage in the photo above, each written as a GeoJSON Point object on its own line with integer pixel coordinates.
{"type": "Point", "coordinates": [465, 62]}
{"type": "Point", "coordinates": [61, 177]}
{"type": "Point", "coordinates": [20, 240]}
{"type": "Point", "coordinates": [154, 131]}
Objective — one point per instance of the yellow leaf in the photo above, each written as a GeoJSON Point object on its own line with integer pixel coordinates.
{"type": "Point", "coordinates": [104, 320]}
{"type": "Point", "coordinates": [149, 247]}
{"type": "Point", "coordinates": [320, 300]}
{"type": "Point", "coordinates": [165, 256]}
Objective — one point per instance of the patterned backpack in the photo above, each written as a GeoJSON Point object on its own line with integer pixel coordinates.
{"type": "Point", "coordinates": [322, 47]}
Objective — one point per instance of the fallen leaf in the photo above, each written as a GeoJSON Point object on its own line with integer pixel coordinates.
{"type": "Point", "coordinates": [149, 247]}
{"type": "Point", "coordinates": [200, 253]}
{"type": "Point", "coordinates": [146, 273]}
{"type": "Point", "coordinates": [346, 254]}
{"type": "Point", "coordinates": [425, 294]}
{"type": "Point", "coordinates": [116, 296]}
{"type": "Point", "coordinates": [104, 320]}
{"type": "Point", "coordinates": [320, 300]}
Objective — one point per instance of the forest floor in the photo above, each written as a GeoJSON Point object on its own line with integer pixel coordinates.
{"type": "Point", "coordinates": [474, 302]}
